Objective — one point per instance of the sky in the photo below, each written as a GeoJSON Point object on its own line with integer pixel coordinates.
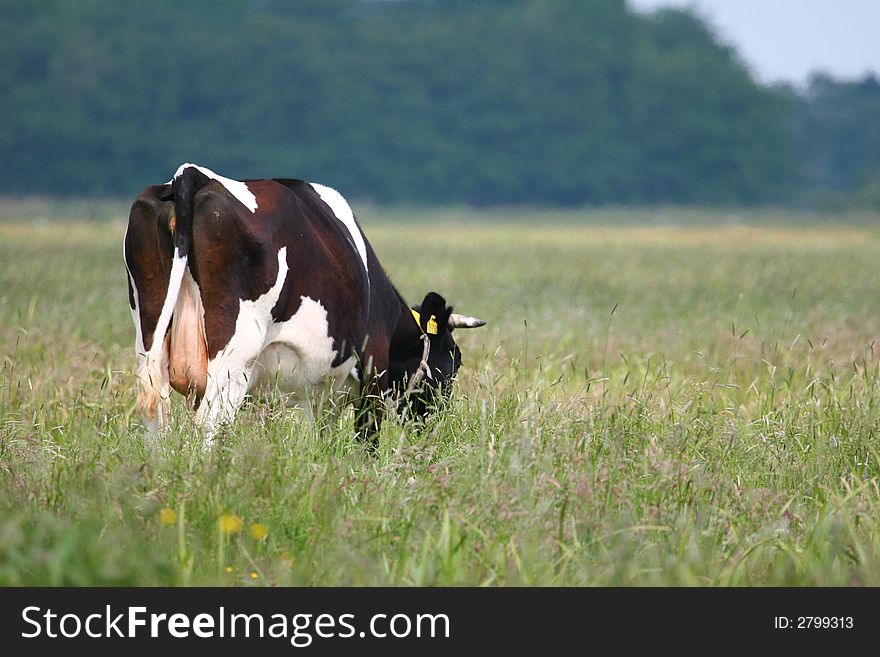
{"type": "Point", "coordinates": [786, 40]}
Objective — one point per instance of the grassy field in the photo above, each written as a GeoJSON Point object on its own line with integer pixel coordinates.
{"type": "Point", "coordinates": [649, 405]}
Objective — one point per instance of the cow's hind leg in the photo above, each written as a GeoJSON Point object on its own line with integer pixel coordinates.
{"type": "Point", "coordinates": [231, 370]}
{"type": "Point", "coordinates": [229, 378]}
{"type": "Point", "coordinates": [154, 390]}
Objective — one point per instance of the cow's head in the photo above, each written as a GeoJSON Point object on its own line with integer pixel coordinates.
{"type": "Point", "coordinates": [427, 331]}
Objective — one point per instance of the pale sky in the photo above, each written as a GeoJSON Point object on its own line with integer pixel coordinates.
{"type": "Point", "coordinates": [785, 40]}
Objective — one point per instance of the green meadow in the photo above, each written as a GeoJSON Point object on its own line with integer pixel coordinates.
{"type": "Point", "coordinates": [659, 398]}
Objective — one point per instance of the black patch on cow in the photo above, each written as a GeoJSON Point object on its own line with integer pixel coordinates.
{"type": "Point", "coordinates": [130, 292]}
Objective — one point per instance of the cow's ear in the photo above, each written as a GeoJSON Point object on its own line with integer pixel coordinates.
{"type": "Point", "coordinates": [434, 315]}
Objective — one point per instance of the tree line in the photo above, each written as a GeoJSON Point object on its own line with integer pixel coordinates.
{"type": "Point", "coordinates": [484, 102]}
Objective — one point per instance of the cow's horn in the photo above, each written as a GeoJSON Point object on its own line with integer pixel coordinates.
{"type": "Point", "coordinates": [463, 321]}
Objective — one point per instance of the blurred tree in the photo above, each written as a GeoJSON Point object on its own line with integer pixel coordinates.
{"type": "Point", "coordinates": [837, 129]}
{"type": "Point", "coordinates": [427, 101]}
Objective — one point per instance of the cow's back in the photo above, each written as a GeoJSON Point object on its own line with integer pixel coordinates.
{"type": "Point", "coordinates": [293, 258]}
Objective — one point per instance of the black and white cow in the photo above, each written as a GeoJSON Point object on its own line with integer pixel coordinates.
{"type": "Point", "coordinates": [237, 286]}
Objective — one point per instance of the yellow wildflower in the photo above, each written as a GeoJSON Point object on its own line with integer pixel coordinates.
{"type": "Point", "coordinates": [258, 531]}
{"type": "Point", "coordinates": [228, 569]}
{"type": "Point", "coordinates": [255, 575]}
{"type": "Point", "coordinates": [230, 523]}
{"type": "Point", "coordinates": [167, 516]}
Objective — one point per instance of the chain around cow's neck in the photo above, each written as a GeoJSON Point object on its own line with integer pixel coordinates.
{"type": "Point", "coordinates": [423, 370]}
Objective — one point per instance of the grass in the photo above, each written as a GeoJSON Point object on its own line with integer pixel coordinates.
{"type": "Point", "coordinates": [649, 405]}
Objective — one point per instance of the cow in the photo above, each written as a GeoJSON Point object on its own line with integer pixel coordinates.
{"type": "Point", "coordinates": [238, 287]}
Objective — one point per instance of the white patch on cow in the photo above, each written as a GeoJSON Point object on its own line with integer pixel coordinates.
{"type": "Point", "coordinates": [299, 360]}
{"type": "Point", "coordinates": [300, 351]}
{"type": "Point", "coordinates": [136, 317]}
{"type": "Point", "coordinates": [343, 212]}
{"type": "Point", "coordinates": [139, 347]}
{"type": "Point", "coordinates": [178, 267]}
{"type": "Point", "coordinates": [235, 187]}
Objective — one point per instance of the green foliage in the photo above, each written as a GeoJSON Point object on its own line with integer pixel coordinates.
{"type": "Point", "coordinates": [647, 406]}
{"type": "Point", "coordinates": [838, 139]}
{"type": "Point", "coordinates": [531, 101]}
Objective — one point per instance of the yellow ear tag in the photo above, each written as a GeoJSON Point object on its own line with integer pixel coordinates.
{"type": "Point", "coordinates": [432, 322]}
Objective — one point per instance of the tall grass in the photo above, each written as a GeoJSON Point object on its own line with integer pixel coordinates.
{"type": "Point", "coordinates": [648, 405]}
